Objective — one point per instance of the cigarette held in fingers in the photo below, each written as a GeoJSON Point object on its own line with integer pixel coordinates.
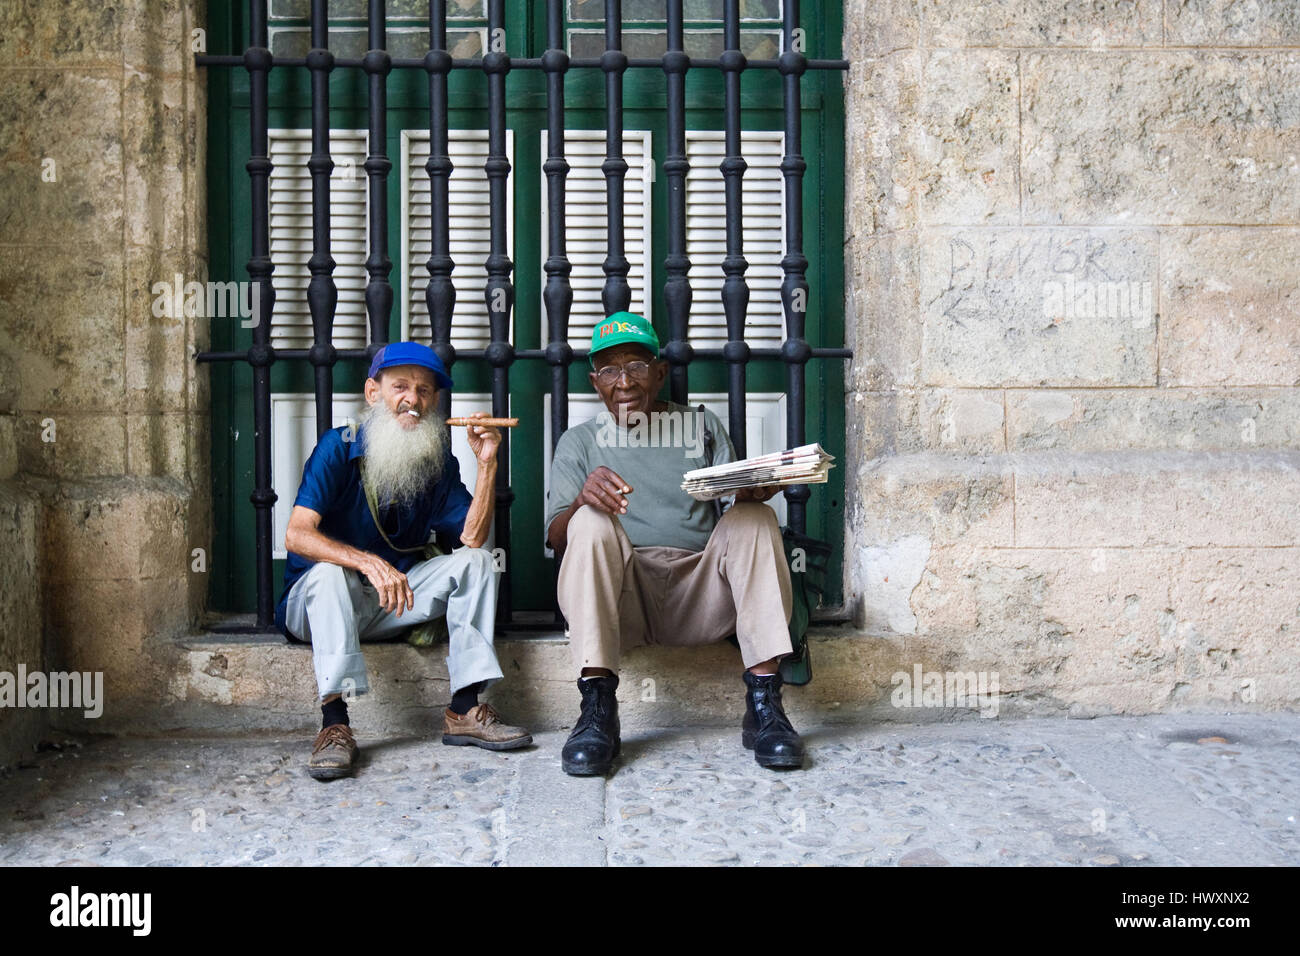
{"type": "Point", "coordinates": [486, 422]}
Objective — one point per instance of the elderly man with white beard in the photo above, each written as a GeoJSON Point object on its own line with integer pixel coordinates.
{"type": "Point", "coordinates": [368, 505]}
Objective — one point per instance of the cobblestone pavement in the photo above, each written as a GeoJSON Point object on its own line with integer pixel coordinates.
{"type": "Point", "coordinates": [1202, 790]}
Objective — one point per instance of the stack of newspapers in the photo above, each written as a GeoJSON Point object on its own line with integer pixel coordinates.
{"type": "Point", "coordinates": [805, 465]}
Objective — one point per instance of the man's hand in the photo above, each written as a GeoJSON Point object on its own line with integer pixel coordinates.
{"type": "Point", "coordinates": [394, 591]}
{"type": "Point", "coordinates": [483, 441]}
{"type": "Point", "coordinates": [604, 491]}
{"type": "Point", "coordinates": [304, 538]}
{"type": "Point", "coordinates": [757, 494]}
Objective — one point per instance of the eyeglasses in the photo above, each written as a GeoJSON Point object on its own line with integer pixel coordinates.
{"type": "Point", "coordinates": [612, 373]}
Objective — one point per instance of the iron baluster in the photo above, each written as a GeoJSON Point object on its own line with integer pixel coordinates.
{"type": "Point", "coordinates": [439, 293]}
{"type": "Point", "coordinates": [322, 294]}
{"type": "Point", "coordinates": [617, 294]}
{"type": "Point", "coordinates": [558, 294]}
{"type": "Point", "coordinates": [260, 357]}
{"type": "Point", "coordinates": [795, 351]}
{"type": "Point", "coordinates": [499, 291]}
{"type": "Point", "coordinates": [379, 293]}
{"type": "Point", "coordinates": [677, 285]}
{"type": "Point", "coordinates": [735, 291]}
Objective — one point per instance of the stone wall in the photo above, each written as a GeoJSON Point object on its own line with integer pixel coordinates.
{"type": "Point", "coordinates": [20, 614]}
{"type": "Point", "coordinates": [1071, 290]}
{"type": "Point", "coordinates": [103, 413]}
{"type": "Point", "coordinates": [1073, 298]}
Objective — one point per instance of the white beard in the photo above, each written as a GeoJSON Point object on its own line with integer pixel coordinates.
{"type": "Point", "coordinates": [402, 462]}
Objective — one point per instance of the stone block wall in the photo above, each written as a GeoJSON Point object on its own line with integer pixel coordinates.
{"type": "Point", "coordinates": [1073, 448]}
{"type": "Point", "coordinates": [21, 641]}
{"type": "Point", "coordinates": [103, 413]}
{"type": "Point", "coordinates": [1072, 292]}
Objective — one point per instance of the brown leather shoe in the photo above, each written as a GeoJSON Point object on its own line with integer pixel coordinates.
{"type": "Point", "coordinates": [332, 753]}
{"type": "Point", "coordinates": [482, 727]}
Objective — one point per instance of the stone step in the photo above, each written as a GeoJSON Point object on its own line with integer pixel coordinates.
{"type": "Point", "coordinates": [237, 683]}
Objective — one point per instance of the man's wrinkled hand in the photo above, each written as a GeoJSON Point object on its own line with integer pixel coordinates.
{"type": "Point", "coordinates": [757, 494]}
{"type": "Point", "coordinates": [604, 490]}
{"type": "Point", "coordinates": [483, 440]}
{"type": "Point", "coordinates": [394, 591]}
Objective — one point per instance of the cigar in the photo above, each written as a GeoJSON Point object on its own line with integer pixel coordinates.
{"type": "Point", "coordinates": [486, 422]}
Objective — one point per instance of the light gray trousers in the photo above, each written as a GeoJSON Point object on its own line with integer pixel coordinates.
{"type": "Point", "coordinates": [337, 608]}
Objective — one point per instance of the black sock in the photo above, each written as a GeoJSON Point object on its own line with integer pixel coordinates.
{"type": "Point", "coordinates": [465, 699]}
{"type": "Point", "coordinates": [335, 712]}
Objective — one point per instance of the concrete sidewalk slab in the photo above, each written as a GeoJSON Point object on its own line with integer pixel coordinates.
{"type": "Point", "coordinates": [1164, 790]}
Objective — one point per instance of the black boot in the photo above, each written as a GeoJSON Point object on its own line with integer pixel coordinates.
{"type": "Point", "coordinates": [594, 743]}
{"type": "Point", "coordinates": [766, 729]}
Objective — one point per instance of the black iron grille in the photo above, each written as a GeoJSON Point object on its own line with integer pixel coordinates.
{"type": "Point", "coordinates": [500, 354]}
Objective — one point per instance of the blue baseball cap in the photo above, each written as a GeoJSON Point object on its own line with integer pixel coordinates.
{"type": "Point", "coordinates": [411, 353]}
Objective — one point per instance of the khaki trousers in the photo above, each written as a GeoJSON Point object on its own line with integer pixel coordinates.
{"type": "Point", "coordinates": [615, 596]}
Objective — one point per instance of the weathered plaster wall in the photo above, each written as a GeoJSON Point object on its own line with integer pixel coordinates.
{"type": "Point", "coordinates": [1098, 502]}
{"type": "Point", "coordinates": [105, 416]}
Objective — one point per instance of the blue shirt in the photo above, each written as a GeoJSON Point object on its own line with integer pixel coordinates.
{"type": "Point", "coordinates": [331, 486]}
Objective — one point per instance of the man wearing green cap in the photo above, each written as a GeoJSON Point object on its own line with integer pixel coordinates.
{"type": "Point", "coordinates": [642, 562]}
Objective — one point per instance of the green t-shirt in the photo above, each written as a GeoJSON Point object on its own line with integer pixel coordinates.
{"type": "Point", "coordinates": [651, 455]}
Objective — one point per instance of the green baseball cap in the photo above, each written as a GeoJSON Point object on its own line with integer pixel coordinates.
{"type": "Point", "coordinates": [623, 328]}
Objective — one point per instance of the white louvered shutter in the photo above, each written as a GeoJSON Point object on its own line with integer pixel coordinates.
{"type": "Point", "coordinates": [763, 205]}
{"type": "Point", "coordinates": [471, 234]}
{"type": "Point", "coordinates": [290, 190]}
{"type": "Point", "coordinates": [585, 225]}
